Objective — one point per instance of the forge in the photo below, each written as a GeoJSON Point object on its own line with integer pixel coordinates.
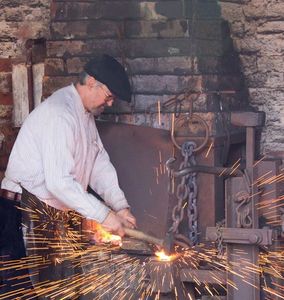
{"type": "Point", "coordinates": [210, 200]}
{"type": "Point", "coordinates": [193, 151]}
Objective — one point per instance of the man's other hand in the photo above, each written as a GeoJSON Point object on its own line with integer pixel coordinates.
{"type": "Point", "coordinates": [113, 224]}
{"type": "Point", "coordinates": [127, 218]}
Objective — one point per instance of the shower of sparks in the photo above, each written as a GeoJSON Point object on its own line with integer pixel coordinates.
{"type": "Point", "coordinates": [208, 151]}
{"type": "Point", "coordinates": [224, 170]}
{"type": "Point", "coordinates": [100, 270]}
{"type": "Point", "coordinates": [233, 168]}
{"type": "Point", "coordinates": [257, 162]}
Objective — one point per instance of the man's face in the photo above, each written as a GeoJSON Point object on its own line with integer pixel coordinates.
{"type": "Point", "coordinates": [98, 98]}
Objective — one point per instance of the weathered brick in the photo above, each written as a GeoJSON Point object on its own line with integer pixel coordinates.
{"type": "Point", "coordinates": [247, 45]}
{"type": "Point", "coordinates": [6, 99]}
{"type": "Point", "coordinates": [271, 27]}
{"type": "Point", "coordinates": [32, 30]}
{"type": "Point", "coordinates": [271, 63]}
{"type": "Point", "coordinates": [164, 65]}
{"type": "Point", "coordinates": [238, 29]}
{"type": "Point", "coordinates": [165, 84]}
{"type": "Point", "coordinates": [59, 48]}
{"type": "Point", "coordinates": [118, 10]}
{"type": "Point", "coordinates": [54, 66]}
{"type": "Point", "coordinates": [85, 29]}
{"type": "Point", "coordinates": [272, 44]}
{"type": "Point", "coordinates": [6, 111]}
{"type": "Point", "coordinates": [30, 3]}
{"type": "Point", "coordinates": [12, 14]}
{"type": "Point", "coordinates": [275, 80]}
{"type": "Point", "coordinates": [266, 79]}
{"type": "Point", "coordinates": [51, 84]}
{"type": "Point", "coordinates": [232, 11]}
{"type": "Point", "coordinates": [25, 13]}
{"type": "Point", "coordinates": [5, 83]}
{"type": "Point", "coordinates": [234, 1]}
{"type": "Point", "coordinates": [5, 65]}
{"type": "Point", "coordinates": [75, 64]}
{"type": "Point", "coordinates": [9, 49]}
{"type": "Point", "coordinates": [249, 64]}
{"type": "Point", "coordinates": [260, 96]}
{"type": "Point", "coordinates": [8, 30]}
{"type": "Point", "coordinates": [263, 9]}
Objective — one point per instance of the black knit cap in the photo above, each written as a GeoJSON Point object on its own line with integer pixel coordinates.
{"type": "Point", "coordinates": [110, 72]}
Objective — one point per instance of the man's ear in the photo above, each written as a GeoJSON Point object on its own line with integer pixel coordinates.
{"type": "Point", "coordinates": [90, 81]}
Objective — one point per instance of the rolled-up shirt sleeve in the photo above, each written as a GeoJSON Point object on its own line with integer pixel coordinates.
{"type": "Point", "coordinates": [59, 145]}
{"type": "Point", "coordinates": [105, 182]}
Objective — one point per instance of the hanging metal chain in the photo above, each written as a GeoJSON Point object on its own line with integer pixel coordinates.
{"type": "Point", "coordinates": [181, 194]}
{"type": "Point", "coordinates": [188, 150]}
{"type": "Point", "coordinates": [186, 193]}
{"type": "Point", "coordinates": [220, 245]}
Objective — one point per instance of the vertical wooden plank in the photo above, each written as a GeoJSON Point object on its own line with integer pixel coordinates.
{"type": "Point", "coordinates": [38, 73]}
{"type": "Point", "coordinates": [20, 93]}
{"type": "Point", "coordinates": [240, 256]}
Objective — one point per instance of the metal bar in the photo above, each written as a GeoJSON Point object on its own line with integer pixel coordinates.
{"type": "Point", "coordinates": [242, 235]}
{"type": "Point", "coordinates": [254, 250]}
{"type": "Point", "coordinates": [269, 171]}
{"type": "Point", "coordinates": [241, 257]}
{"type": "Point", "coordinates": [208, 170]}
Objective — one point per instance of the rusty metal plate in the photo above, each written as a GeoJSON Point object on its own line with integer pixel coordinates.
{"type": "Point", "coordinates": [139, 155]}
{"type": "Point", "coordinates": [132, 246]}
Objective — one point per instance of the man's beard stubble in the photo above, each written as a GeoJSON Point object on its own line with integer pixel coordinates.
{"type": "Point", "coordinates": [97, 111]}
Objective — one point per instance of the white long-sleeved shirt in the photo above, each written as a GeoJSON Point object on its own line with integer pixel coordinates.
{"type": "Point", "coordinates": [58, 153]}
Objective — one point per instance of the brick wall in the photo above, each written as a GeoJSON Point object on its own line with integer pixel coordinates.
{"type": "Point", "coordinates": [19, 22]}
{"type": "Point", "coordinates": [167, 47]}
{"type": "Point", "coordinates": [257, 29]}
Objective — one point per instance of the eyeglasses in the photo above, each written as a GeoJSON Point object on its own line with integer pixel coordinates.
{"type": "Point", "coordinates": [108, 97]}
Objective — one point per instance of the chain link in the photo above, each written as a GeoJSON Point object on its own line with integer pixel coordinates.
{"type": "Point", "coordinates": [186, 193]}
{"type": "Point", "coordinates": [191, 179]}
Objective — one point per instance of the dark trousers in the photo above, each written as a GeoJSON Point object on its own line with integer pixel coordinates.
{"type": "Point", "coordinates": [13, 276]}
{"type": "Point", "coordinates": [45, 243]}
{"type": "Point", "coordinates": [52, 239]}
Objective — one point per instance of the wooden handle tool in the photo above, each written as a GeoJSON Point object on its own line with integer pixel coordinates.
{"type": "Point", "coordinates": [139, 235]}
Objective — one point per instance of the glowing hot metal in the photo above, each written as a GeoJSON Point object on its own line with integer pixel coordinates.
{"type": "Point", "coordinates": [162, 256]}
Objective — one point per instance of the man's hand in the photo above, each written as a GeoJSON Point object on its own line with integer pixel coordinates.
{"type": "Point", "coordinates": [127, 219]}
{"type": "Point", "coordinates": [113, 224]}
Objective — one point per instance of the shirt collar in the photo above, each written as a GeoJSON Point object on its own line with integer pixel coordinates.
{"type": "Point", "coordinates": [78, 102]}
